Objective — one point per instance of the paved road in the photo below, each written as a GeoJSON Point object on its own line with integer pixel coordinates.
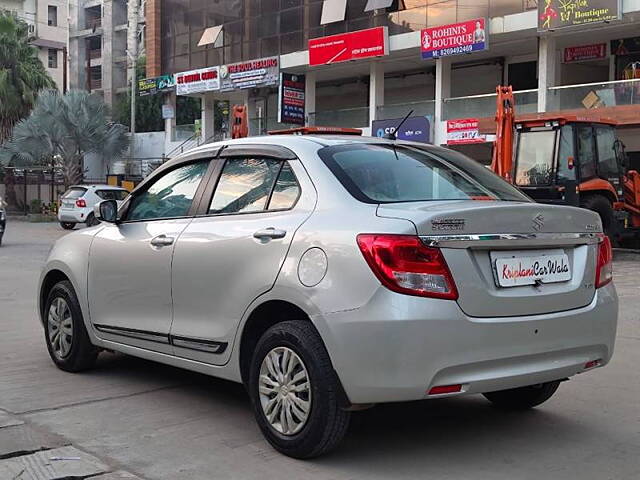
{"type": "Point", "coordinates": [156, 422]}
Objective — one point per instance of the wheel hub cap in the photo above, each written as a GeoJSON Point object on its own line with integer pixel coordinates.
{"type": "Point", "coordinates": [60, 327]}
{"type": "Point", "coordinates": [285, 390]}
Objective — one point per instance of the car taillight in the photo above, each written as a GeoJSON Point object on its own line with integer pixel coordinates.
{"type": "Point", "coordinates": [405, 265]}
{"type": "Point", "coordinates": [81, 203]}
{"type": "Point", "coordinates": [604, 267]}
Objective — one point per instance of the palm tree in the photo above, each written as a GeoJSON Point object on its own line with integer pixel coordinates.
{"type": "Point", "coordinates": [22, 74]}
{"type": "Point", "coordinates": [68, 126]}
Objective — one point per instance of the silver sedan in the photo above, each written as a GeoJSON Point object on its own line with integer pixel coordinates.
{"type": "Point", "coordinates": [331, 273]}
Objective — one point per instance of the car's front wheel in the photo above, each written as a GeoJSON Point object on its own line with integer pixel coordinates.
{"type": "Point", "coordinates": [67, 225]}
{"type": "Point", "coordinates": [523, 398]}
{"type": "Point", "coordinates": [66, 336]}
{"type": "Point", "coordinates": [295, 391]}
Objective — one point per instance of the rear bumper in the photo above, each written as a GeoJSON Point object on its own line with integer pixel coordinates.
{"type": "Point", "coordinates": [397, 347]}
{"type": "Point", "coordinates": [76, 215]}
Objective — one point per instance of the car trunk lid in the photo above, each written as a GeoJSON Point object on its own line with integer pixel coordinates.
{"type": "Point", "coordinates": [498, 252]}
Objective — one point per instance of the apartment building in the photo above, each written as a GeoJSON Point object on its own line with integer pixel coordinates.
{"type": "Point", "coordinates": [47, 20]}
{"type": "Point", "coordinates": [98, 59]}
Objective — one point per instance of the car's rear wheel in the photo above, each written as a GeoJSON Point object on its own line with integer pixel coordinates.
{"type": "Point", "coordinates": [523, 398]}
{"type": "Point", "coordinates": [92, 220]}
{"type": "Point", "coordinates": [67, 225]}
{"type": "Point", "coordinates": [66, 336]}
{"type": "Point", "coordinates": [295, 391]}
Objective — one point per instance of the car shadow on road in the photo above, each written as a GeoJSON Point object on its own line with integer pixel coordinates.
{"type": "Point", "coordinates": [422, 433]}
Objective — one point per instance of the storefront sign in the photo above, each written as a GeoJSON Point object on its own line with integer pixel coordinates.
{"type": "Point", "coordinates": [151, 86]}
{"type": "Point", "coordinates": [196, 81]}
{"type": "Point", "coordinates": [291, 98]}
{"type": "Point", "coordinates": [251, 74]}
{"type": "Point", "coordinates": [463, 131]}
{"type": "Point", "coordinates": [168, 112]}
{"type": "Point", "coordinates": [454, 39]}
{"type": "Point", "coordinates": [554, 14]}
{"type": "Point", "coordinates": [373, 42]}
{"type": "Point", "coordinates": [585, 52]}
{"type": "Point", "coordinates": [415, 129]}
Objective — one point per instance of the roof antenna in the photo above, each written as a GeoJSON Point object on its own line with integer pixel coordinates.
{"type": "Point", "coordinates": [392, 135]}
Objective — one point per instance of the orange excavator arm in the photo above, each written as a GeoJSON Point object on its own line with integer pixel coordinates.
{"type": "Point", "coordinates": [502, 160]}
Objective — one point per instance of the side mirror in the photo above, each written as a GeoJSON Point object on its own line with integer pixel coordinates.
{"type": "Point", "coordinates": [106, 211]}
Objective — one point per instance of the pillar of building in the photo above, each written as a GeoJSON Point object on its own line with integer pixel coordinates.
{"type": "Point", "coordinates": [108, 89]}
{"type": "Point", "coordinates": [376, 89]}
{"type": "Point", "coordinates": [546, 71]}
{"type": "Point", "coordinates": [443, 91]}
{"type": "Point", "coordinates": [206, 119]}
{"type": "Point", "coordinates": [170, 123]}
{"type": "Point", "coordinates": [310, 98]}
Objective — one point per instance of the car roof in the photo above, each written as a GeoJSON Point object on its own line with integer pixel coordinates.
{"type": "Point", "coordinates": [99, 186]}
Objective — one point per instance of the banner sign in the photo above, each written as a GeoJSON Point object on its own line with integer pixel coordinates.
{"type": "Point", "coordinates": [151, 86]}
{"type": "Point", "coordinates": [196, 81]}
{"type": "Point", "coordinates": [454, 39]}
{"type": "Point", "coordinates": [373, 42]}
{"type": "Point", "coordinates": [554, 14]}
{"type": "Point", "coordinates": [585, 52]}
{"type": "Point", "coordinates": [291, 98]}
{"type": "Point", "coordinates": [416, 129]}
{"type": "Point", "coordinates": [250, 74]}
{"type": "Point", "coordinates": [463, 131]}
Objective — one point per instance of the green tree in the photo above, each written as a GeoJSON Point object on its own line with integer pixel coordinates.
{"type": "Point", "coordinates": [22, 74]}
{"type": "Point", "coordinates": [66, 127]}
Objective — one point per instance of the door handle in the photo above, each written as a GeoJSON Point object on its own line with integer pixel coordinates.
{"type": "Point", "coordinates": [270, 233]}
{"type": "Point", "coordinates": [161, 241]}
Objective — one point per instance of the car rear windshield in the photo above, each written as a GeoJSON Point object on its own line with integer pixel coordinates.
{"type": "Point", "coordinates": [74, 192]}
{"type": "Point", "coordinates": [112, 194]}
{"type": "Point", "coordinates": [384, 173]}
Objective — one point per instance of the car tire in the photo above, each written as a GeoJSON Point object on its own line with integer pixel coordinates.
{"type": "Point", "coordinates": [92, 220]}
{"type": "Point", "coordinates": [326, 422]}
{"type": "Point", "coordinates": [603, 207]}
{"type": "Point", "coordinates": [69, 348]}
{"type": "Point", "coordinates": [523, 398]}
{"type": "Point", "coordinates": [67, 225]}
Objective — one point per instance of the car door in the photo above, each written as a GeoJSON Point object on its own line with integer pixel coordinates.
{"type": "Point", "coordinates": [129, 277]}
{"type": "Point", "coordinates": [233, 251]}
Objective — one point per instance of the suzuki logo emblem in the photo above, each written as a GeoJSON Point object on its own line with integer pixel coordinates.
{"type": "Point", "coordinates": [538, 222]}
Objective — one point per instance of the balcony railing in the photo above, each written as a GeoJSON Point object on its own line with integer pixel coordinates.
{"type": "Point", "coordinates": [96, 84]}
{"type": "Point", "coordinates": [346, 117]}
{"type": "Point", "coordinates": [485, 105]}
{"type": "Point", "coordinates": [595, 95]}
{"type": "Point", "coordinates": [399, 110]}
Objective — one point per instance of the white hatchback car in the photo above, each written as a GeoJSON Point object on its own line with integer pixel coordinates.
{"type": "Point", "coordinates": [76, 204]}
{"type": "Point", "coordinates": [331, 273]}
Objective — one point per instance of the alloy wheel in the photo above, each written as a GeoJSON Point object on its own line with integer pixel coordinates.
{"type": "Point", "coordinates": [60, 327]}
{"type": "Point", "coordinates": [285, 390]}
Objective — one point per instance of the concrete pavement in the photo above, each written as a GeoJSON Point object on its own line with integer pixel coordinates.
{"type": "Point", "coordinates": [135, 418]}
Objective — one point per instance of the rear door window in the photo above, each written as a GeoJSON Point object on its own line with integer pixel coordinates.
{"type": "Point", "coordinates": [380, 173]}
{"type": "Point", "coordinates": [245, 185]}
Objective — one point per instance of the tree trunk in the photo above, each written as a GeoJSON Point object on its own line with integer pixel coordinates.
{"type": "Point", "coordinates": [72, 171]}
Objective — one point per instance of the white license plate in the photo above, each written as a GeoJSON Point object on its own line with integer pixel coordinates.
{"type": "Point", "coordinates": [515, 271]}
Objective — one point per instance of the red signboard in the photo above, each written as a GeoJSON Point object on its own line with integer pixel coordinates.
{"type": "Point", "coordinates": [462, 131]}
{"type": "Point", "coordinates": [585, 52]}
{"type": "Point", "coordinates": [454, 39]}
{"type": "Point", "coordinates": [373, 42]}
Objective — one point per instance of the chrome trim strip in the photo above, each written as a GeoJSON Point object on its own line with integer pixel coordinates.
{"type": "Point", "coordinates": [509, 239]}
{"type": "Point", "coordinates": [208, 346]}
{"type": "Point", "coordinates": [132, 333]}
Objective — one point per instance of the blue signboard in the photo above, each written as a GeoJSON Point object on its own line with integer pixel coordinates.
{"type": "Point", "coordinates": [415, 129]}
{"type": "Point", "coordinates": [292, 98]}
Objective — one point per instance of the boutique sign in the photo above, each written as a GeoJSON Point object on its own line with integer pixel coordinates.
{"type": "Point", "coordinates": [454, 39]}
{"type": "Point", "coordinates": [553, 14]}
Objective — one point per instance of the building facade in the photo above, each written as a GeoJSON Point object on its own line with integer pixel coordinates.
{"type": "Point", "coordinates": [554, 64]}
{"type": "Point", "coordinates": [99, 61]}
{"type": "Point", "coordinates": [47, 20]}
